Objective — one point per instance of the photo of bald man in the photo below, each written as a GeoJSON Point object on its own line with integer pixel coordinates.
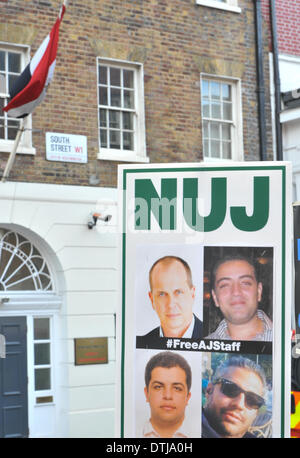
{"type": "Point", "coordinates": [172, 296]}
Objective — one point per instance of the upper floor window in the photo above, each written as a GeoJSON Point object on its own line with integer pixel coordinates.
{"type": "Point", "coordinates": [12, 62]}
{"type": "Point", "coordinates": [228, 5]}
{"type": "Point", "coordinates": [121, 112]}
{"type": "Point", "coordinates": [221, 123]}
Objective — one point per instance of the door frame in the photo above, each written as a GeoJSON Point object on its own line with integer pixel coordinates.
{"type": "Point", "coordinates": [36, 312]}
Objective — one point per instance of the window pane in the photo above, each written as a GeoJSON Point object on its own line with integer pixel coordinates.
{"type": "Point", "coordinates": [103, 121]}
{"type": "Point", "coordinates": [115, 77]}
{"type": "Point", "coordinates": [42, 379]}
{"type": "Point", "coordinates": [226, 132]}
{"type": "Point", "coordinates": [128, 141]}
{"type": "Point", "coordinates": [16, 269]}
{"type": "Point", "coordinates": [41, 329]}
{"type": "Point", "coordinates": [103, 95]}
{"type": "Point", "coordinates": [103, 138]}
{"type": "Point", "coordinates": [205, 109]}
{"type": "Point", "coordinates": [226, 92]}
{"type": "Point", "coordinates": [114, 139]}
{"type": "Point", "coordinates": [206, 148]}
{"type": "Point", "coordinates": [128, 121]}
{"type": "Point", "coordinates": [2, 83]}
{"type": "Point", "coordinates": [216, 110]}
{"type": "Point", "coordinates": [41, 354]}
{"type": "Point", "coordinates": [102, 74]}
{"type": "Point", "coordinates": [115, 97]}
{"type": "Point", "coordinates": [14, 62]}
{"type": "Point", "coordinates": [128, 99]}
{"type": "Point", "coordinates": [24, 284]}
{"type": "Point", "coordinates": [44, 399]}
{"type": "Point", "coordinates": [11, 135]}
{"type": "Point", "coordinates": [205, 88]}
{"type": "Point", "coordinates": [215, 148]}
{"type": "Point", "coordinates": [215, 91]}
{"type": "Point", "coordinates": [128, 78]}
{"type": "Point", "coordinates": [11, 80]}
{"type": "Point", "coordinates": [2, 120]}
{"type": "Point", "coordinates": [227, 111]}
{"type": "Point", "coordinates": [205, 129]}
{"type": "Point", "coordinates": [2, 60]}
{"type": "Point", "coordinates": [114, 119]}
{"type": "Point", "coordinates": [215, 130]}
{"type": "Point", "coordinates": [227, 150]}
{"type": "Point", "coordinates": [45, 280]}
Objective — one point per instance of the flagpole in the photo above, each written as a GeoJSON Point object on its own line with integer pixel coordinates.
{"type": "Point", "coordinates": [13, 152]}
{"type": "Point", "coordinates": [19, 105]}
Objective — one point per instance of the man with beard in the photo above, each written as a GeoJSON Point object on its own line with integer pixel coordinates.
{"type": "Point", "coordinates": [237, 291]}
{"type": "Point", "coordinates": [233, 399]}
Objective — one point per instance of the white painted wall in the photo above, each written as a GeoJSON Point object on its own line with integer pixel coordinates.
{"type": "Point", "coordinates": [289, 67]}
{"type": "Point", "coordinates": [85, 264]}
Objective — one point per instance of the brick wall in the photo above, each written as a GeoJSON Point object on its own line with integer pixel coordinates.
{"type": "Point", "coordinates": [288, 25]}
{"type": "Point", "coordinates": [175, 41]}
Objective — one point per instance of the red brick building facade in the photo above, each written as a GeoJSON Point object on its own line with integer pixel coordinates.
{"type": "Point", "coordinates": [288, 24]}
{"type": "Point", "coordinates": [176, 43]}
{"type": "Point", "coordinates": [286, 31]}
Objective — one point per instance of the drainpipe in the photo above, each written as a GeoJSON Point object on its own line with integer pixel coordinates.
{"type": "Point", "coordinates": [279, 155]}
{"type": "Point", "coordinates": [260, 81]}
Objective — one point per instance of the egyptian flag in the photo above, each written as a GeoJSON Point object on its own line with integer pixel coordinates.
{"type": "Point", "coordinates": [29, 89]}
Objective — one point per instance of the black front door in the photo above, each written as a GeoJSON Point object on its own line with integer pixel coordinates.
{"type": "Point", "coordinates": [13, 379]}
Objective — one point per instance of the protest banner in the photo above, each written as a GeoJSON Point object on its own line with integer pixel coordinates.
{"type": "Point", "coordinates": [205, 295]}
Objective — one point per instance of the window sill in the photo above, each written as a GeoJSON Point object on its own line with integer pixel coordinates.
{"type": "Point", "coordinates": [7, 145]}
{"type": "Point", "coordinates": [217, 159]}
{"type": "Point", "coordinates": [121, 156]}
{"type": "Point", "coordinates": [218, 5]}
{"type": "Point", "coordinates": [46, 404]}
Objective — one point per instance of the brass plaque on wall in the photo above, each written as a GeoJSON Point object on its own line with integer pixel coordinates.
{"type": "Point", "coordinates": [91, 351]}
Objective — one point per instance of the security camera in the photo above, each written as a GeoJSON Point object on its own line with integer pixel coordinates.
{"type": "Point", "coordinates": [95, 218]}
{"type": "Point", "coordinates": [91, 224]}
{"type": "Point", "coordinates": [105, 218]}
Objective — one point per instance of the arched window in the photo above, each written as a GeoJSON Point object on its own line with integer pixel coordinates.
{"type": "Point", "coordinates": [22, 267]}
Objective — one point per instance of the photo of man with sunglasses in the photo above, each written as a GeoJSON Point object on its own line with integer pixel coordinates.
{"type": "Point", "coordinates": [234, 397]}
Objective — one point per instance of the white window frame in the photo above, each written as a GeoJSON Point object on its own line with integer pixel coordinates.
{"type": "Point", "coordinates": [49, 392]}
{"type": "Point", "coordinates": [229, 5]}
{"type": "Point", "coordinates": [25, 145]}
{"type": "Point", "coordinates": [139, 153]}
{"type": "Point", "coordinates": [237, 118]}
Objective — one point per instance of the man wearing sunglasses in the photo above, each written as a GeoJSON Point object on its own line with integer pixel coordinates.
{"type": "Point", "coordinates": [233, 399]}
{"type": "Point", "coordinates": [237, 292]}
